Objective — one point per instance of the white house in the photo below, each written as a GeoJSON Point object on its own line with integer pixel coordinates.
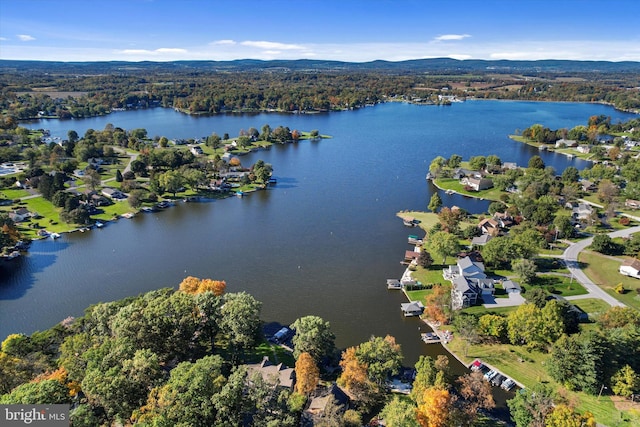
{"type": "Point", "coordinates": [631, 268]}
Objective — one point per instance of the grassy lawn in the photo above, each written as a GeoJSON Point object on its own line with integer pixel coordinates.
{"type": "Point", "coordinates": [481, 310]}
{"type": "Point", "coordinates": [431, 275]}
{"type": "Point", "coordinates": [547, 265]}
{"type": "Point", "coordinates": [427, 219]}
{"type": "Point", "coordinates": [529, 369]}
{"type": "Point", "coordinates": [591, 306]}
{"type": "Point", "coordinates": [559, 285]}
{"type": "Point", "coordinates": [603, 271]}
{"type": "Point", "coordinates": [12, 194]}
{"type": "Point", "coordinates": [418, 295]}
{"type": "Point", "coordinates": [454, 184]}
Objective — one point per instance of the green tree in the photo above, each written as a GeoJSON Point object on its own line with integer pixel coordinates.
{"type": "Point", "coordinates": [478, 163]}
{"type": "Point", "coordinates": [570, 174]}
{"type": "Point", "coordinates": [435, 203]}
{"type": "Point", "coordinates": [564, 226]}
{"type": "Point", "coordinates": [424, 259]}
{"type": "Point", "coordinates": [444, 244]}
{"type": "Point", "coordinates": [399, 413]}
{"type": "Point", "coordinates": [171, 181]}
{"type": "Point", "coordinates": [576, 362]}
{"type": "Point", "coordinates": [454, 161]}
{"type": "Point", "coordinates": [382, 356]}
{"type": "Point", "coordinates": [40, 392]}
{"type": "Point", "coordinates": [525, 269]}
{"type": "Point", "coordinates": [119, 177]}
{"type": "Point", "coordinates": [536, 296]}
{"type": "Point", "coordinates": [530, 407]}
{"type": "Point", "coordinates": [536, 162]}
{"type": "Point", "coordinates": [493, 325]}
{"type": "Point", "coordinates": [436, 166]}
{"type": "Point", "coordinates": [187, 397]}
{"type": "Point", "coordinates": [313, 335]}
{"type": "Point", "coordinates": [240, 320]}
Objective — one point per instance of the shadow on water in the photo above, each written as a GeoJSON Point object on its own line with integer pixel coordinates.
{"type": "Point", "coordinates": [18, 275]}
{"type": "Point", "coordinates": [285, 182]}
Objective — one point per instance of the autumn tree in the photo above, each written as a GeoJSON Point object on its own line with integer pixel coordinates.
{"type": "Point", "coordinates": [625, 382]}
{"type": "Point", "coordinates": [193, 285]}
{"type": "Point", "coordinates": [437, 304]}
{"type": "Point", "coordinates": [381, 356]}
{"type": "Point", "coordinates": [436, 409]}
{"type": "Point", "coordinates": [450, 219]}
{"type": "Point", "coordinates": [354, 376]}
{"type": "Point", "coordinates": [429, 373]}
{"type": "Point", "coordinates": [565, 416]}
{"type": "Point", "coordinates": [307, 374]}
{"type": "Point", "coordinates": [476, 395]}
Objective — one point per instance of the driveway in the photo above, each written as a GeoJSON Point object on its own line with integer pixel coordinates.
{"type": "Point", "coordinates": [513, 300]}
{"type": "Point", "coordinates": [571, 260]}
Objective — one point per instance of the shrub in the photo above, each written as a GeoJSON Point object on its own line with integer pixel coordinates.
{"type": "Point", "coordinates": [619, 288]}
{"type": "Point", "coordinates": [624, 221]}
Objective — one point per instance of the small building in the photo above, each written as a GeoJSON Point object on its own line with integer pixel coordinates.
{"type": "Point", "coordinates": [410, 256]}
{"type": "Point", "coordinates": [588, 186]}
{"type": "Point", "coordinates": [561, 143]}
{"type": "Point", "coordinates": [413, 308]}
{"type": "Point", "coordinates": [196, 150]}
{"type": "Point", "coordinates": [511, 287]}
{"type": "Point", "coordinates": [632, 204]}
{"type": "Point", "coordinates": [582, 212]}
{"type": "Point", "coordinates": [112, 193]}
{"type": "Point", "coordinates": [19, 215]}
{"type": "Point", "coordinates": [321, 400]}
{"type": "Point", "coordinates": [631, 268]}
{"type": "Point", "coordinates": [481, 240]}
{"type": "Point", "coordinates": [489, 226]}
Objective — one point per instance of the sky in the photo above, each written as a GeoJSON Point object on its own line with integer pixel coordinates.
{"type": "Point", "coordinates": [343, 30]}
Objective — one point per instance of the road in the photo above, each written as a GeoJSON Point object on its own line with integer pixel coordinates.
{"type": "Point", "coordinates": [570, 257]}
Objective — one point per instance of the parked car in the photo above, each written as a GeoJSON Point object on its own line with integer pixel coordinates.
{"type": "Point", "coordinates": [489, 375]}
{"type": "Point", "coordinates": [508, 384]}
{"type": "Point", "coordinates": [497, 380]}
{"type": "Point", "coordinates": [477, 365]}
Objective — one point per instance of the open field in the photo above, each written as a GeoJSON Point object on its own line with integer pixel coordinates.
{"type": "Point", "coordinates": [603, 271]}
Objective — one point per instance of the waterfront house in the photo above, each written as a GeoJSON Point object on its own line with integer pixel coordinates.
{"type": "Point", "coordinates": [584, 149]}
{"type": "Point", "coordinates": [19, 215]}
{"type": "Point", "coordinates": [504, 219]}
{"type": "Point", "coordinates": [631, 268]}
{"type": "Point", "coordinates": [275, 375]}
{"type": "Point", "coordinates": [465, 267]}
{"type": "Point", "coordinates": [509, 165]}
{"type": "Point", "coordinates": [477, 184]}
{"type": "Point", "coordinates": [114, 194]}
{"type": "Point", "coordinates": [413, 308]}
{"type": "Point", "coordinates": [460, 173]}
{"type": "Point", "coordinates": [562, 143]}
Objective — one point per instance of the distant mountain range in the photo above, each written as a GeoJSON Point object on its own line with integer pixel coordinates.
{"type": "Point", "coordinates": [437, 65]}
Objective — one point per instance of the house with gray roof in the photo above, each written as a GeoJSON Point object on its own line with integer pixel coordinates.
{"type": "Point", "coordinates": [276, 375]}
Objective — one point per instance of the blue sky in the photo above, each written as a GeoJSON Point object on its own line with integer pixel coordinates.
{"type": "Point", "coordinates": [344, 30]}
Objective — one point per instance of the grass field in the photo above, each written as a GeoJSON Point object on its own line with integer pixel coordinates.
{"type": "Point", "coordinates": [454, 184]}
{"type": "Point", "coordinates": [603, 271]}
{"type": "Point", "coordinates": [591, 306]}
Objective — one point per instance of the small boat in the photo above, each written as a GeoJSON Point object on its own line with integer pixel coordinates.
{"type": "Point", "coordinates": [56, 235]}
{"type": "Point", "coordinates": [273, 181]}
{"type": "Point", "coordinates": [99, 224]}
{"type": "Point", "coordinates": [430, 337]}
{"type": "Point", "coordinates": [394, 284]}
{"type": "Point", "coordinates": [239, 193]}
{"type": "Point", "coordinates": [163, 204]}
{"type": "Point", "coordinates": [128, 215]}
{"type": "Point", "coordinates": [449, 192]}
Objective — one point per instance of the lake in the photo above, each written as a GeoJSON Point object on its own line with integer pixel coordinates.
{"type": "Point", "coordinates": [323, 241]}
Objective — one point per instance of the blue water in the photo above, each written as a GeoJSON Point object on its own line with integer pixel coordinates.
{"type": "Point", "coordinates": [323, 241]}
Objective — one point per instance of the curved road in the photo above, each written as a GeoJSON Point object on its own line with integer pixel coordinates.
{"type": "Point", "coordinates": [570, 257]}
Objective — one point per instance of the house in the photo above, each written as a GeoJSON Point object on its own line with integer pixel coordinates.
{"type": "Point", "coordinates": [633, 204]}
{"type": "Point", "coordinates": [196, 150]}
{"type": "Point", "coordinates": [631, 268]}
{"type": "Point", "coordinates": [481, 240]}
{"type": "Point", "coordinates": [509, 165]}
{"type": "Point", "coordinates": [477, 184]}
{"type": "Point", "coordinates": [461, 173]}
{"type": "Point", "coordinates": [462, 293]}
{"type": "Point", "coordinates": [561, 143]}
{"type": "Point", "coordinates": [582, 212]}
{"type": "Point", "coordinates": [511, 287]}
{"type": "Point", "coordinates": [489, 226]}
{"type": "Point", "coordinates": [504, 219]}
{"type": "Point", "coordinates": [276, 375]}
{"type": "Point", "coordinates": [19, 215]}
{"type": "Point", "coordinates": [465, 267]}
{"type": "Point", "coordinates": [584, 149]}
{"type": "Point", "coordinates": [413, 308]}
{"type": "Point", "coordinates": [112, 193]}
{"type": "Point", "coordinates": [322, 399]}
{"type": "Point", "coordinates": [588, 186]}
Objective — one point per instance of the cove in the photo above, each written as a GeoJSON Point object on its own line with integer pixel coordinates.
{"type": "Point", "coordinates": [323, 241]}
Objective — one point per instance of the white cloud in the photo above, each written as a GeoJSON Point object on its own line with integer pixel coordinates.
{"type": "Point", "coordinates": [170, 50]}
{"type": "Point", "coordinates": [272, 45]}
{"type": "Point", "coordinates": [446, 37]}
{"type": "Point", "coordinates": [223, 42]}
{"type": "Point", "coordinates": [26, 37]}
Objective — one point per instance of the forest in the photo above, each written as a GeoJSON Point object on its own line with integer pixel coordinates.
{"type": "Point", "coordinates": [66, 90]}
